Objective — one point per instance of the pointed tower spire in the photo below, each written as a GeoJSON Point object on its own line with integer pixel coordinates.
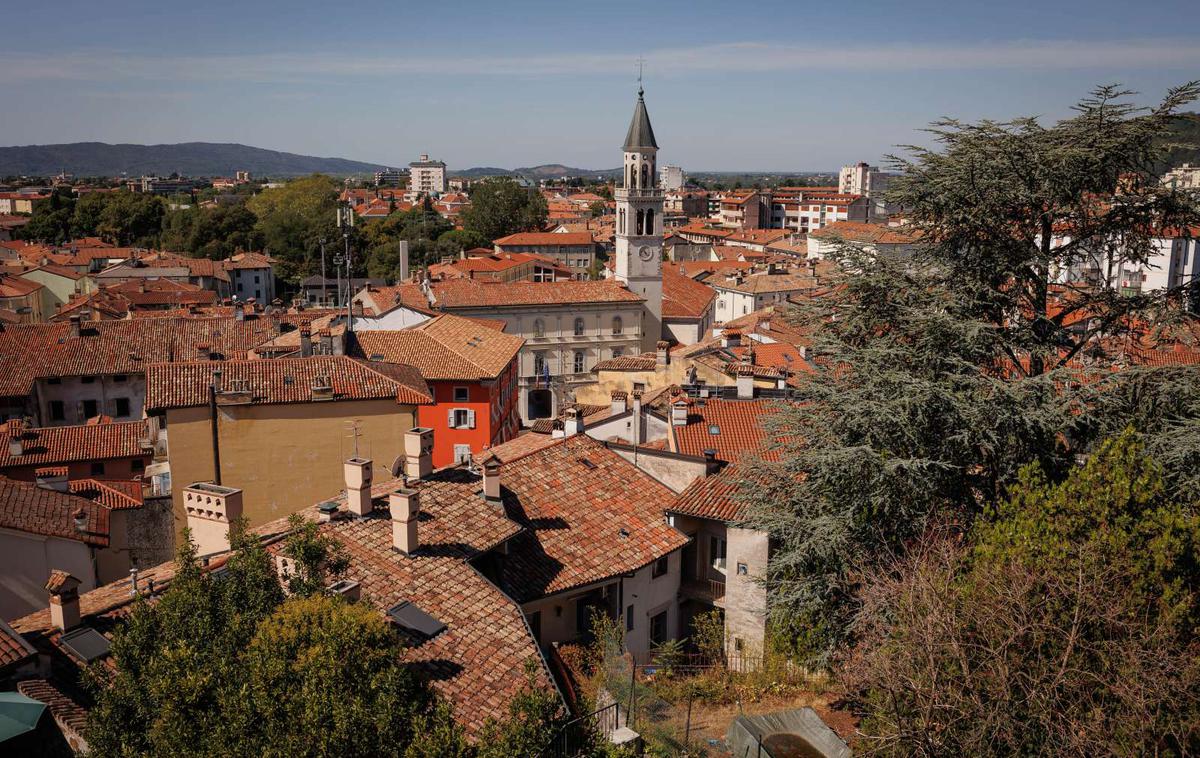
{"type": "Point", "coordinates": [641, 134]}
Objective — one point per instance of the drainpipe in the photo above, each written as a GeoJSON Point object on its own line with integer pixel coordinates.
{"type": "Point", "coordinates": [216, 439]}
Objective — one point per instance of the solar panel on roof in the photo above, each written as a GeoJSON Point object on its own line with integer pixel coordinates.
{"type": "Point", "coordinates": [411, 618]}
{"type": "Point", "coordinates": [86, 643]}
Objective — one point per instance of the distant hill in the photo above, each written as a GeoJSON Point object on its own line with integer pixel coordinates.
{"type": "Point", "coordinates": [1184, 144]}
{"type": "Point", "coordinates": [187, 158]}
{"type": "Point", "coordinates": [545, 171]}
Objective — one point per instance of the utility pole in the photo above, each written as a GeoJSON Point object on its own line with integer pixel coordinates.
{"type": "Point", "coordinates": [346, 223]}
{"type": "Point", "coordinates": [324, 281]}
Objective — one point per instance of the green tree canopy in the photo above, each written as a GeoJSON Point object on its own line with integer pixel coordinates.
{"type": "Point", "coordinates": [500, 207]}
{"type": "Point", "coordinates": [291, 221]}
{"type": "Point", "coordinates": [1007, 210]}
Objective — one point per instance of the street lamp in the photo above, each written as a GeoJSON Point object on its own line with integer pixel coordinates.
{"type": "Point", "coordinates": [324, 280]}
{"type": "Point", "coordinates": [345, 221]}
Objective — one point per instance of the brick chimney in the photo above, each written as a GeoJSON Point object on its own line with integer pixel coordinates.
{"type": "Point", "coordinates": [74, 320]}
{"type": "Point", "coordinates": [53, 478]}
{"type": "Point", "coordinates": [710, 461]}
{"type": "Point", "coordinates": [16, 437]}
{"type": "Point", "coordinates": [305, 342]}
{"type": "Point", "coordinates": [418, 452]}
{"type": "Point", "coordinates": [637, 417]}
{"type": "Point", "coordinates": [491, 480]}
{"type": "Point", "coordinates": [358, 486]}
{"type": "Point", "coordinates": [322, 388]}
{"type": "Point", "coordinates": [404, 506]}
{"type": "Point", "coordinates": [64, 600]}
{"type": "Point", "coordinates": [620, 401]}
{"type": "Point", "coordinates": [211, 509]}
{"type": "Point", "coordinates": [663, 350]}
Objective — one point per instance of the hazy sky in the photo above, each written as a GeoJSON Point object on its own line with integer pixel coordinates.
{"type": "Point", "coordinates": [794, 85]}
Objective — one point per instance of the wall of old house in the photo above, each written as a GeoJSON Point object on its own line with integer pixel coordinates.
{"type": "Point", "coordinates": [26, 561]}
{"type": "Point", "coordinates": [672, 469]}
{"type": "Point", "coordinates": [745, 597]}
{"type": "Point", "coordinates": [283, 457]}
{"type": "Point", "coordinates": [104, 389]}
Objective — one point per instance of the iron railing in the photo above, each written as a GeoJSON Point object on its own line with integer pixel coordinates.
{"type": "Point", "coordinates": [580, 733]}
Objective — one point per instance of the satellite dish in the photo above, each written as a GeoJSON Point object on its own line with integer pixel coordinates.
{"type": "Point", "coordinates": [397, 466]}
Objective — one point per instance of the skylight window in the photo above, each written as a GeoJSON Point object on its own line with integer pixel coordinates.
{"type": "Point", "coordinates": [714, 429]}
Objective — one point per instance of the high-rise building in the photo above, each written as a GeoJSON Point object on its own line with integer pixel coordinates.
{"type": "Point", "coordinates": [671, 178]}
{"type": "Point", "coordinates": [868, 181]}
{"type": "Point", "coordinates": [425, 175]}
{"type": "Point", "coordinates": [638, 244]}
{"type": "Point", "coordinates": [389, 177]}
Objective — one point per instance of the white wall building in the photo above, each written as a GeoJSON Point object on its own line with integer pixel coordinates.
{"type": "Point", "coordinates": [427, 175]}
{"type": "Point", "coordinates": [671, 178]}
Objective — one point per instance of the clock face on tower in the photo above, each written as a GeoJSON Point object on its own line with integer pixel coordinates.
{"type": "Point", "coordinates": [646, 253]}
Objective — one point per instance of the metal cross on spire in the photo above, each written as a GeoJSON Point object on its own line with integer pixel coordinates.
{"type": "Point", "coordinates": [641, 62]}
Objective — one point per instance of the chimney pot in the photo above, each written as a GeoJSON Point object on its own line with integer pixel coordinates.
{"type": "Point", "coordinates": [74, 319]}
{"type": "Point", "coordinates": [64, 600]}
{"type": "Point", "coordinates": [16, 438]}
{"type": "Point", "coordinates": [404, 506]}
{"type": "Point", "coordinates": [358, 486]}
{"type": "Point", "coordinates": [305, 341]}
{"type": "Point", "coordinates": [418, 452]}
{"type": "Point", "coordinates": [211, 509]}
{"type": "Point", "coordinates": [664, 353]}
{"type": "Point", "coordinates": [620, 401]}
{"type": "Point", "coordinates": [491, 480]}
{"type": "Point", "coordinates": [572, 422]}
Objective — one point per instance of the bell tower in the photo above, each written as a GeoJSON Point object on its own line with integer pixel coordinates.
{"type": "Point", "coordinates": [639, 240]}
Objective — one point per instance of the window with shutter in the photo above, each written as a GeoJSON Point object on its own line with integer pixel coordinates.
{"type": "Point", "coordinates": [470, 419]}
{"type": "Point", "coordinates": [450, 419]}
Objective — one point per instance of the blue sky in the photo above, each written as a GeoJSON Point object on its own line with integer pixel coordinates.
{"type": "Point", "coordinates": [757, 86]}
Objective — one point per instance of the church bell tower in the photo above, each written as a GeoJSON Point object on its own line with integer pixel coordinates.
{"type": "Point", "coordinates": [639, 238]}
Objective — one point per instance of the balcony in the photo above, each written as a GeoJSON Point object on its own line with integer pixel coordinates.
{"type": "Point", "coordinates": [708, 591]}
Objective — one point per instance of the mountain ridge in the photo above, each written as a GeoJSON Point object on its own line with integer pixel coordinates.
{"type": "Point", "coordinates": [186, 158]}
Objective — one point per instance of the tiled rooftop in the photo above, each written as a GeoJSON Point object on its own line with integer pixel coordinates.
{"type": "Point", "coordinates": [444, 347]}
{"type": "Point", "coordinates": [26, 507]}
{"type": "Point", "coordinates": [590, 515]}
{"type": "Point", "coordinates": [44, 446]}
{"type": "Point", "coordinates": [470, 293]}
{"type": "Point", "coordinates": [283, 380]}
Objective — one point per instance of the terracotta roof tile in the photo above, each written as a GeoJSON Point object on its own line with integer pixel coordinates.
{"type": "Point", "coordinates": [283, 380]}
{"type": "Point", "coordinates": [14, 650]}
{"type": "Point", "coordinates": [44, 446]}
{"type": "Point", "coordinates": [711, 497]}
{"type": "Point", "coordinates": [444, 347]}
{"type": "Point", "coordinates": [28, 508]}
{"type": "Point", "coordinates": [470, 293]}
{"type": "Point", "coordinates": [684, 297]}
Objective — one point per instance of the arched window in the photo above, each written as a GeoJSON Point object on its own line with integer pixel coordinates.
{"type": "Point", "coordinates": [578, 362]}
{"type": "Point", "coordinates": [644, 183]}
{"type": "Point", "coordinates": [641, 220]}
{"type": "Point", "coordinates": [618, 326]}
{"type": "Point", "coordinates": [578, 327]}
{"type": "Point", "coordinates": [649, 221]}
{"type": "Point", "coordinates": [539, 328]}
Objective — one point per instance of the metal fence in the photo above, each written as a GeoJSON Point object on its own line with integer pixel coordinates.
{"type": "Point", "coordinates": [581, 733]}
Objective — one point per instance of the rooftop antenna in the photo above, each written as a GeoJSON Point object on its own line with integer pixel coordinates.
{"type": "Point", "coordinates": [355, 433]}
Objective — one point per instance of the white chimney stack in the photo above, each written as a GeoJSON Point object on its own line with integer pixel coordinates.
{"type": "Point", "coordinates": [745, 382]}
{"type": "Point", "coordinates": [620, 401]}
{"type": "Point", "coordinates": [64, 600]}
{"type": "Point", "coordinates": [358, 486]}
{"type": "Point", "coordinates": [572, 422]}
{"type": "Point", "coordinates": [404, 506]}
{"type": "Point", "coordinates": [663, 352]}
{"type": "Point", "coordinates": [679, 411]}
{"type": "Point", "coordinates": [211, 509]}
{"type": "Point", "coordinates": [16, 437]}
{"type": "Point", "coordinates": [418, 452]}
{"type": "Point", "coordinates": [637, 417]}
